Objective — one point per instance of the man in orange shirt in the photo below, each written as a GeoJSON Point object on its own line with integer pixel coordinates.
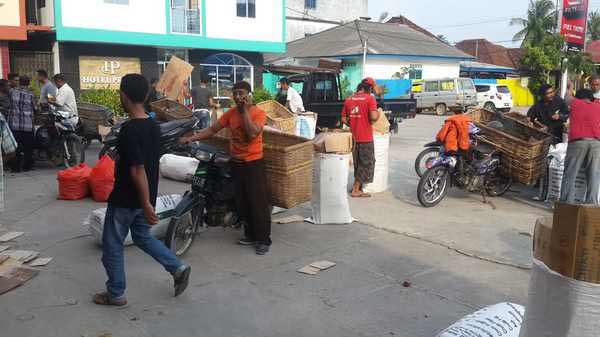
{"type": "Point", "coordinates": [246, 122]}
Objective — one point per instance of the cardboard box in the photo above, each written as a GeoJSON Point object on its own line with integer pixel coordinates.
{"type": "Point", "coordinates": [334, 142]}
{"type": "Point", "coordinates": [575, 242]}
{"type": "Point", "coordinates": [542, 237]}
{"type": "Point", "coordinates": [381, 125]}
{"type": "Point", "coordinates": [172, 81]}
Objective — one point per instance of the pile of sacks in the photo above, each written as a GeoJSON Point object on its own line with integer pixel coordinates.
{"type": "Point", "coordinates": [80, 181]}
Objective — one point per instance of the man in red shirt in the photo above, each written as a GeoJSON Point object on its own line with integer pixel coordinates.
{"type": "Point", "coordinates": [359, 112]}
{"type": "Point", "coordinates": [584, 147]}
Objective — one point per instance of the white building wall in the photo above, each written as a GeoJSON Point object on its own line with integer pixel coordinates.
{"type": "Point", "coordinates": [222, 21]}
{"type": "Point", "coordinates": [297, 29]}
{"type": "Point", "coordinates": [140, 16]}
{"type": "Point", "coordinates": [332, 10]}
{"type": "Point", "coordinates": [385, 68]}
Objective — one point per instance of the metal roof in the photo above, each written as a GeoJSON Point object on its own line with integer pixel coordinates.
{"type": "Point", "coordinates": [484, 67]}
{"type": "Point", "coordinates": [382, 39]}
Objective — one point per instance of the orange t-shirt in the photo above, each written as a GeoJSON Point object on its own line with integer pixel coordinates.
{"type": "Point", "coordinates": [239, 146]}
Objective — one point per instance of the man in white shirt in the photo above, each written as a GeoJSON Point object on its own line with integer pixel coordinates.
{"type": "Point", "coordinates": [65, 96]}
{"type": "Point", "coordinates": [294, 100]}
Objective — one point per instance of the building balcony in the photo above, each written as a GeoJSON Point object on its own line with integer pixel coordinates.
{"type": "Point", "coordinates": [186, 21]}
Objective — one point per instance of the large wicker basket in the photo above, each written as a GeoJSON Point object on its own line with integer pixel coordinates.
{"type": "Point", "coordinates": [92, 116]}
{"type": "Point", "coordinates": [279, 117]}
{"type": "Point", "coordinates": [289, 165]}
{"type": "Point", "coordinates": [523, 147]}
{"type": "Point", "coordinates": [167, 110]}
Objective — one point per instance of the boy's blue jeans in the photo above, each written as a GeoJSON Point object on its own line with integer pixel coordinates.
{"type": "Point", "coordinates": [117, 223]}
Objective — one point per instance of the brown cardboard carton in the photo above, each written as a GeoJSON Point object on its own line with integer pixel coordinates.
{"type": "Point", "coordinates": [541, 239]}
{"type": "Point", "coordinates": [172, 81]}
{"type": "Point", "coordinates": [575, 242]}
{"type": "Point", "coordinates": [334, 142]}
{"type": "Point", "coordinates": [381, 125]}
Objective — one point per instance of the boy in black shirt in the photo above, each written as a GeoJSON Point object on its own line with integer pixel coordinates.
{"type": "Point", "coordinates": [132, 201]}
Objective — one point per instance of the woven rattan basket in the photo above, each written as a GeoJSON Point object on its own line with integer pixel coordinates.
{"type": "Point", "coordinates": [279, 116]}
{"type": "Point", "coordinates": [167, 110]}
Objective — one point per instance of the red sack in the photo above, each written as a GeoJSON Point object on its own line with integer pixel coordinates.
{"type": "Point", "coordinates": [102, 179]}
{"type": "Point", "coordinates": [73, 182]}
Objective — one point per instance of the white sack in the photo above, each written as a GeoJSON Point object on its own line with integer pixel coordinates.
{"type": "Point", "coordinates": [165, 206]}
{"type": "Point", "coordinates": [178, 168]}
{"type": "Point", "coordinates": [306, 126]}
{"type": "Point", "coordinates": [382, 164]}
{"type": "Point", "coordinates": [560, 306]}
{"type": "Point", "coordinates": [330, 189]}
{"type": "Point", "coordinates": [501, 320]}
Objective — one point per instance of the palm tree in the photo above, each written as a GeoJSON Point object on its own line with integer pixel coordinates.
{"type": "Point", "coordinates": [594, 26]}
{"type": "Point", "coordinates": [540, 21]}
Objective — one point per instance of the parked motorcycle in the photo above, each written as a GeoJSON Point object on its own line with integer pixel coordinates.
{"type": "Point", "coordinates": [478, 171]}
{"type": "Point", "coordinates": [209, 203]}
{"type": "Point", "coordinates": [57, 138]}
{"type": "Point", "coordinates": [170, 132]}
{"type": "Point", "coordinates": [431, 152]}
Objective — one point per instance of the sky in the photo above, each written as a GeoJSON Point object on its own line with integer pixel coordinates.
{"type": "Point", "coordinates": [462, 19]}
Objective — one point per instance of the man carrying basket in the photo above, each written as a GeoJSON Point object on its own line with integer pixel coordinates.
{"type": "Point", "coordinates": [246, 122]}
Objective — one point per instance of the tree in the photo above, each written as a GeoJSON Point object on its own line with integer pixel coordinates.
{"type": "Point", "coordinates": [541, 59]}
{"type": "Point", "coordinates": [594, 26]}
{"type": "Point", "coordinates": [540, 22]}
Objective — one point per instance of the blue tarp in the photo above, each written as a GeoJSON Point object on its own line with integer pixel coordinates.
{"type": "Point", "coordinates": [395, 88]}
{"type": "Point", "coordinates": [485, 81]}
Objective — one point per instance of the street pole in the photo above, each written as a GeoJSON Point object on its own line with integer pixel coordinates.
{"type": "Point", "coordinates": [364, 67]}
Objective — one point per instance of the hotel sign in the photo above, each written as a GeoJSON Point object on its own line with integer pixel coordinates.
{"type": "Point", "coordinates": [96, 72]}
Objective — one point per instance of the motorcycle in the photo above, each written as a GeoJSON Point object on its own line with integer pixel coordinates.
{"type": "Point", "coordinates": [477, 171]}
{"type": "Point", "coordinates": [431, 152]}
{"type": "Point", "coordinates": [57, 138]}
{"type": "Point", "coordinates": [170, 132]}
{"type": "Point", "coordinates": [209, 203]}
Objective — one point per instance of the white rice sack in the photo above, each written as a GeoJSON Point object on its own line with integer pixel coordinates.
{"type": "Point", "coordinates": [500, 320]}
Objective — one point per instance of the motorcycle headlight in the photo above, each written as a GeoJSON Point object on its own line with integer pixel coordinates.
{"type": "Point", "coordinates": [203, 155]}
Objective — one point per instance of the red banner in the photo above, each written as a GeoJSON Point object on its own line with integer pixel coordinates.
{"type": "Point", "coordinates": [574, 23]}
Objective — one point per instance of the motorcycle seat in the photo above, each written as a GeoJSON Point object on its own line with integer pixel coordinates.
{"type": "Point", "coordinates": [173, 125]}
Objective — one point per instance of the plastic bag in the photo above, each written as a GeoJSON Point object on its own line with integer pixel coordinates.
{"type": "Point", "coordinates": [382, 164]}
{"type": "Point", "coordinates": [502, 320]}
{"type": "Point", "coordinates": [102, 179]}
{"type": "Point", "coordinates": [178, 168]}
{"type": "Point", "coordinates": [329, 202]}
{"type": "Point", "coordinates": [73, 183]}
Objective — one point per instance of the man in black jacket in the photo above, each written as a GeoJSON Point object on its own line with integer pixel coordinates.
{"type": "Point", "coordinates": [550, 111]}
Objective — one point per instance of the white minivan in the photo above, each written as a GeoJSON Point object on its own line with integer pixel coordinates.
{"type": "Point", "coordinates": [494, 97]}
{"type": "Point", "coordinates": [445, 94]}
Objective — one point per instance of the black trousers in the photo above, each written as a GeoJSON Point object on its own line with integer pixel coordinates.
{"type": "Point", "coordinates": [252, 199]}
{"type": "Point", "coordinates": [24, 155]}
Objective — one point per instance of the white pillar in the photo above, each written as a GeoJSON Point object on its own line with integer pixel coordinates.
{"type": "Point", "coordinates": [564, 79]}
{"type": "Point", "coordinates": [56, 57]}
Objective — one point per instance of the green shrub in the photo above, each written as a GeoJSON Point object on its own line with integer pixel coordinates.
{"type": "Point", "coordinates": [106, 97]}
{"type": "Point", "coordinates": [261, 94]}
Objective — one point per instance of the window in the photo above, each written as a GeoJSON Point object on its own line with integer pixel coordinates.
{"type": "Point", "coordinates": [482, 88]}
{"type": "Point", "coordinates": [324, 85]}
{"type": "Point", "coordinates": [223, 70]}
{"type": "Point", "coordinates": [447, 85]}
{"type": "Point", "coordinates": [466, 84]}
{"type": "Point", "coordinates": [432, 86]}
{"type": "Point", "coordinates": [310, 4]}
{"type": "Point", "coordinates": [117, 2]}
{"type": "Point", "coordinates": [415, 72]}
{"type": "Point", "coordinates": [503, 89]}
{"type": "Point", "coordinates": [185, 17]}
{"type": "Point", "coordinates": [246, 8]}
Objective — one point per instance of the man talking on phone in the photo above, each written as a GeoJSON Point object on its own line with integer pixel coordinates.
{"type": "Point", "coordinates": [246, 122]}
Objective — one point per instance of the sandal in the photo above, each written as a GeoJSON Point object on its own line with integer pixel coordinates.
{"type": "Point", "coordinates": [360, 195]}
{"type": "Point", "coordinates": [105, 299]}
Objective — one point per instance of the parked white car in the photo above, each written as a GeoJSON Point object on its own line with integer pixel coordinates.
{"type": "Point", "coordinates": [494, 97]}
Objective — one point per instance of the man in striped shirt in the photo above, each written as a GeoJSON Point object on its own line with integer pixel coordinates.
{"type": "Point", "coordinates": [20, 120]}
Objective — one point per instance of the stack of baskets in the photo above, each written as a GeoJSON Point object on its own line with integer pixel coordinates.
{"type": "Point", "coordinates": [93, 116]}
{"type": "Point", "coordinates": [167, 110]}
{"type": "Point", "coordinates": [279, 116]}
{"type": "Point", "coordinates": [289, 166]}
{"type": "Point", "coordinates": [524, 148]}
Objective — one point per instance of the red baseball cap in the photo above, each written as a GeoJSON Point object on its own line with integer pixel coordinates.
{"type": "Point", "coordinates": [370, 81]}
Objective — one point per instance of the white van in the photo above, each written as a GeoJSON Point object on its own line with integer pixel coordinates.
{"type": "Point", "coordinates": [494, 97]}
{"type": "Point", "coordinates": [446, 94]}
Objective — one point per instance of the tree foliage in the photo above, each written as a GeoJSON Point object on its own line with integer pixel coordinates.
{"type": "Point", "coordinates": [540, 22]}
{"type": "Point", "coordinates": [541, 59]}
{"type": "Point", "coordinates": [594, 26]}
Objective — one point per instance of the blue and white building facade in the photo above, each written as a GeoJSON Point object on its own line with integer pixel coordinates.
{"type": "Point", "coordinates": [223, 39]}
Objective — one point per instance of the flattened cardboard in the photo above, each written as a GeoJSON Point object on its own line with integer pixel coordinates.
{"type": "Point", "coordinates": [40, 262]}
{"type": "Point", "coordinates": [308, 270]}
{"type": "Point", "coordinates": [10, 236]}
{"type": "Point", "coordinates": [323, 265]}
{"type": "Point", "coordinates": [172, 81]}
{"type": "Point", "coordinates": [575, 242]}
{"type": "Point", "coordinates": [381, 125]}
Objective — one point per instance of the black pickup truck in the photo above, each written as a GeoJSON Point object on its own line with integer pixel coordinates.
{"type": "Point", "coordinates": [322, 94]}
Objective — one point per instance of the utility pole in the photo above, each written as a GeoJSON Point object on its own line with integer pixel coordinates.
{"type": "Point", "coordinates": [364, 67]}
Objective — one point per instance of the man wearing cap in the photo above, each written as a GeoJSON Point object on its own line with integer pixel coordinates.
{"type": "Point", "coordinates": [359, 112]}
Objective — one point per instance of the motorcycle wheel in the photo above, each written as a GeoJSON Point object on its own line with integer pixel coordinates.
{"type": "Point", "coordinates": [433, 186]}
{"type": "Point", "coordinates": [424, 158]}
{"type": "Point", "coordinates": [183, 229]}
{"type": "Point", "coordinates": [73, 152]}
{"type": "Point", "coordinates": [497, 185]}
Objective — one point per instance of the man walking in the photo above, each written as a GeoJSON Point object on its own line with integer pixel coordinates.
{"type": "Point", "coordinates": [202, 97]}
{"type": "Point", "coordinates": [133, 199]}
{"type": "Point", "coordinates": [246, 122]}
{"type": "Point", "coordinates": [359, 112]}
{"type": "Point", "coordinates": [20, 120]}
{"type": "Point", "coordinates": [65, 96]}
{"type": "Point", "coordinates": [584, 148]}
{"type": "Point", "coordinates": [47, 90]}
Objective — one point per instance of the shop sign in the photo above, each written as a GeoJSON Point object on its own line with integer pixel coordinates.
{"type": "Point", "coordinates": [96, 72]}
{"type": "Point", "coordinates": [574, 22]}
